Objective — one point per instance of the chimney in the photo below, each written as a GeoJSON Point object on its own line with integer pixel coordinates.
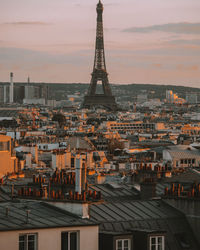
{"type": "Point", "coordinates": [7, 211]}
{"type": "Point", "coordinates": [147, 189]}
{"type": "Point", "coordinates": [11, 87]}
{"type": "Point", "coordinates": [84, 177]}
{"type": "Point", "coordinates": [78, 170]}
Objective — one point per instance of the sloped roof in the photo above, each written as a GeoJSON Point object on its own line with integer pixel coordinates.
{"type": "Point", "coordinates": [4, 196]}
{"type": "Point", "coordinates": [79, 143]}
{"type": "Point", "coordinates": [122, 192]}
{"type": "Point", "coordinates": [41, 215]}
{"type": "Point", "coordinates": [184, 153]}
{"type": "Point", "coordinates": [189, 176]}
{"type": "Point", "coordinates": [148, 215]}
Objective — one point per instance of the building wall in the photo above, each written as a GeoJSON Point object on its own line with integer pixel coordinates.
{"type": "Point", "coordinates": [191, 130]}
{"type": "Point", "coordinates": [191, 160]}
{"type": "Point", "coordinates": [51, 238]}
{"type": "Point", "coordinates": [191, 98]}
{"type": "Point", "coordinates": [191, 208]}
{"type": "Point", "coordinates": [166, 156]}
{"type": "Point", "coordinates": [7, 162]}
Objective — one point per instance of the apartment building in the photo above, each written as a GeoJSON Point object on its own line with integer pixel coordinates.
{"type": "Point", "coordinates": [8, 159]}
{"type": "Point", "coordinates": [31, 225]}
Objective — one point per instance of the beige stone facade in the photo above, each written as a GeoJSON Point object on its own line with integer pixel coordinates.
{"type": "Point", "coordinates": [50, 238]}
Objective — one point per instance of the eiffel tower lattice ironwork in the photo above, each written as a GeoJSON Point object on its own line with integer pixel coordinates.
{"type": "Point", "coordinates": [99, 74]}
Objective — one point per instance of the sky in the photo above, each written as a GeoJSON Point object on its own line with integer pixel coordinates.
{"type": "Point", "coordinates": [146, 41]}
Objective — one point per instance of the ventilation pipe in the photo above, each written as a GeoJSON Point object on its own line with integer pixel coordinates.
{"type": "Point", "coordinates": [78, 170]}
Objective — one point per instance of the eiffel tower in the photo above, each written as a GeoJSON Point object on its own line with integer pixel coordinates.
{"type": "Point", "coordinates": [99, 74]}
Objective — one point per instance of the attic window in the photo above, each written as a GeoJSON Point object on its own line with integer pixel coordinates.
{"type": "Point", "coordinates": [157, 243]}
{"type": "Point", "coordinates": [123, 244]}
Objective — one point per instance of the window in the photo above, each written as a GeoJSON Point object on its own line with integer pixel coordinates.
{"type": "Point", "coordinates": [123, 244]}
{"type": "Point", "coordinates": [28, 242]}
{"type": "Point", "coordinates": [157, 243]}
{"type": "Point", "coordinates": [4, 146]}
{"type": "Point", "coordinates": [69, 241]}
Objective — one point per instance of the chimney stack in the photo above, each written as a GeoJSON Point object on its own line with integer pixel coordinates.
{"type": "Point", "coordinates": [11, 88]}
{"type": "Point", "coordinates": [78, 170]}
{"type": "Point", "coordinates": [84, 176]}
{"type": "Point", "coordinates": [7, 211]}
{"type": "Point", "coordinates": [148, 189]}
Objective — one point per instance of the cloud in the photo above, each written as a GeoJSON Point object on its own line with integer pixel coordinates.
{"type": "Point", "coordinates": [20, 55]}
{"type": "Point", "coordinates": [157, 65]}
{"type": "Point", "coordinates": [187, 67]}
{"type": "Point", "coordinates": [26, 23]}
{"type": "Point", "coordinates": [185, 42]}
{"type": "Point", "coordinates": [178, 28]}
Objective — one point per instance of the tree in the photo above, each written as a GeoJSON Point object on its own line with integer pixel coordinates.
{"type": "Point", "coordinates": [60, 118]}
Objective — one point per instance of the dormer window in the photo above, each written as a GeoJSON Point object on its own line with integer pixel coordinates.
{"type": "Point", "coordinates": [157, 242]}
{"type": "Point", "coordinates": [123, 244]}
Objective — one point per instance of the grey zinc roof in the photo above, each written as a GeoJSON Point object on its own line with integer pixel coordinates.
{"type": "Point", "coordinates": [8, 113]}
{"type": "Point", "coordinates": [132, 210]}
{"type": "Point", "coordinates": [182, 151]}
{"type": "Point", "coordinates": [78, 142]}
{"type": "Point", "coordinates": [147, 215]}
{"type": "Point", "coordinates": [4, 196]}
{"type": "Point", "coordinates": [123, 192]}
{"type": "Point", "coordinates": [42, 215]}
{"type": "Point", "coordinates": [189, 176]}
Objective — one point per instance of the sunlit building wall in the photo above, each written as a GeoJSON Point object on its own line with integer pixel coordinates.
{"type": "Point", "coordinates": [8, 161]}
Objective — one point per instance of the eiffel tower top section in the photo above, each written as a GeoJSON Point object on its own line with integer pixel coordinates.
{"type": "Point", "coordinates": [99, 60]}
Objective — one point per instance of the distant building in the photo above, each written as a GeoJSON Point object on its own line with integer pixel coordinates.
{"type": "Point", "coordinates": [36, 94]}
{"type": "Point", "coordinates": [1, 94]}
{"type": "Point", "coordinates": [182, 156]}
{"type": "Point", "coordinates": [173, 98]}
{"type": "Point", "coordinates": [133, 126]}
{"type": "Point", "coordinates": [4, 93]}
{"type": "Point", "coordinates": [11, 88]}
{"type": "Point", "coordinates": [141, 98]}
{"type": "Point", "coordinates": [191, 98]}
{"type": "Point", "coordinates": [189, 129]}
{"type": "Point", "coordinates": [19, 94]}
{"type": "Point", "coordinates": [30, 92]}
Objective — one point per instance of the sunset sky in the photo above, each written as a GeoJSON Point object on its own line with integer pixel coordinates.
{"type": "Point", "coordinates": [146, 41]}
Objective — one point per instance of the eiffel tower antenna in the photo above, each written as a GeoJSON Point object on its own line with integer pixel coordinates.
{"type": "Point", "coordinates": [99, 74]}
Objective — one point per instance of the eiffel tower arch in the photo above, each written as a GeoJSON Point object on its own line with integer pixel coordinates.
{"type": "Point", "coordinates": [99, 74]}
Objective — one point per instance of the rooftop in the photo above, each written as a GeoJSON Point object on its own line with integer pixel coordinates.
{"type": "Point", "coordinates": [22, 215]}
